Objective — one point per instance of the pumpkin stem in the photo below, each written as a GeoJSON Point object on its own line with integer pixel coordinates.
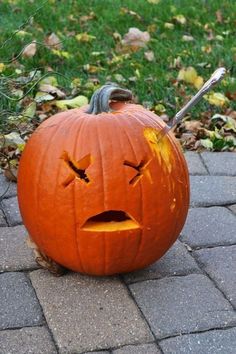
{"type": "Point", "coordinates": [100, 101]}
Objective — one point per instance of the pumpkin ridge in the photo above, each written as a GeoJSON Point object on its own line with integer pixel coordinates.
{"type": "Point", "coordinates": [103, 189]}
{"type": "Point", "coordinates": [77, 135]}
{"type": "Point", "coordinates": [140, 185]}
{"type": "Point", "coordinates": [38, 182]}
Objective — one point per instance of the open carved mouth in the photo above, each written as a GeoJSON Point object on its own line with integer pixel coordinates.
{"type": "Point", "coordinates": [111, 220]}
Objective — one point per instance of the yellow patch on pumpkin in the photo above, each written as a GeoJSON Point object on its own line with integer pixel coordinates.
{"type": "Point", "coordinates": [161, 148]}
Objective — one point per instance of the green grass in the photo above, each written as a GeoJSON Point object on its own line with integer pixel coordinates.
{"type": "Point", "coordinates": [154, 80]}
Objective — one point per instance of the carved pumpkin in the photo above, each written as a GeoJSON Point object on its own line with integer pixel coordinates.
{"type": "Point", "coordinates": [98, 191]}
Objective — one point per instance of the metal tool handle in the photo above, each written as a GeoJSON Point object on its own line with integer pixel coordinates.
{"type": "Point", "coordinates": [216, 77]}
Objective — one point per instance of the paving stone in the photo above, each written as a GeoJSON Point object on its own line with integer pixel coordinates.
{"type": "Point", "coordinates": [19, 306]}
{"type": "Point", "coordinates": [2, 219]}
{"type": "Point", "coordinates": [220, 163]}
{"type": "Point", "coordinates": [232, 208]}
{"type": "Point", "coordinates": [177, 261]}
{"type": "Point", "coordinates": [7, 188]}
{"type": "Point", "coordinates": [99, 352]}
{"type": "Point", "coordinates": [28, 340]}
{"type": "Point", "coordinates": [220, 264]}
{"type": "Point", "coordinates": [209, 227]}
{"type": "Point", "coordinates": [212, 190]}
{"type": "Point", "coordinates": [98, 311]}
{"type": "Point", "coordinates": [150, 348]}
{"type": "Point", "coordinates": [182, 304]}
{"type": "Point", "coordinates": [212, 342]}
{"type": "Point", "coordinates": [14, 252]}
{"type": "Point", "coordinates": [195, 165]}
{"type": "Point", "coordinates": [12, 211]}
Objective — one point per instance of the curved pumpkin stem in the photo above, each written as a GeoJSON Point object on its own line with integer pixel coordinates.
{"type": "Point", "coordinates": [100, 101]}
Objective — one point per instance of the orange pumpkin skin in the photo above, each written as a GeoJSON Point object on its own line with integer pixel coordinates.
{"type": "Point", "coordinates": [125, 169]}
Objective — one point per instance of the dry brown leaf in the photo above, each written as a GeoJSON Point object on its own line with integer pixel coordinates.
{"type": "Point", "coordinates": [193, 125]}
{"type": "Point", "coordinates": [52, 90]}
{"type": "Point", "coordinates": [30, 50]}
{"type": "Point", "coordinates": [53, 41]}
{"type": "Point", "coordinates": [219, 17]}
{"type": "Point", "coordinates": [135, 38]}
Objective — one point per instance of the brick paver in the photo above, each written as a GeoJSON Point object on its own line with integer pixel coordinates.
{"type": "Point", "coordinates": [185, 303]}
{"type": "Point", "coordinates": [195, 164]}
{"type": "Point", "coordinates": [3, 221]}
{"type": "Point", "coordinates": [209, 227]}
{"type": "Point", "coordinates": [19, 306]}
{"type": "Point", "coordinates": [182, 304]}
{"type": "Point", "coordinates": [212, 342]}
{"type": "Point", "coordinates": [99, 310]}
{"type": "Point", "coordinates": [212, 190]}
{"type": "Point", "coordinates": [28, 340]}
{"type": "Point", "coordinates": [14, 252]}
{"type": "Point", "coordinates": [220, 264]}
{"type": "Point", "coordinates": [7, 189]}
{"type": "Point", "coordinates": [12, 212]}
{"type": "Point", "coordinates": [177, 261]}
{"type": "Point", "coordinates": [150, 348]}
{"type": "Point", "coordinates": [220, 163]}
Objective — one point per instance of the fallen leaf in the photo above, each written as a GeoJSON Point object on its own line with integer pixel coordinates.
{"type": "Point", "coordinates": [2, 67]}
{"type": "Point", "coordinates": [84, 37]}
{"type": "Point", "coordinates": [216, 98]}
{"type": "Point", "coordinates": [75, 102]}
{"type": "Point", "coordinates": [13, 139]}
{"type": "Point", "coordinates": [193, 125]}
{"type": "Point", "coordinates": [126, 11]}
{"type": "Point", "coordinates": [190, 76]}
{"type": "Point", "coordinates": [30, 50]}
{"type": "Point", "coordinates": [53, 41]}
{"type": "Point", "coordinates": [62, 53]}
{"type": "Point", "coordinates": [50, 80]}
{"type": "Point", "coordinates": [187, 38]}
{"type": "Point", "coordinates": [135, 38]}
{"type": "Point", "coordinates": [180, 19]}
{"type": "Point", "coordinates": [207, 143]}
{"type": "Point", "coordinates": [86, 18]}
{"type": "Point", "coordinates": [149, 55]}
{"type": "Point", "coordinates": [219, 17]}
{"type": "Point", "coordinates": [29, 111]}
{"type": "Point", "coordinates": [169, 25]}
{"type": "Point", "coordinates": [52, 90]}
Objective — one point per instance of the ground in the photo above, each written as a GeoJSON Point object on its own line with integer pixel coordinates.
{"type": "Point", "coordinates": [184, 303]}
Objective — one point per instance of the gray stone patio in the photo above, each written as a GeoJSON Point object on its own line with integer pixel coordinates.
{"type": "Point", "coordinates": [185, 303]}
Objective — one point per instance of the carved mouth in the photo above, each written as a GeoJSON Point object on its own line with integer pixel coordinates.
{"type": "Point", "coordinates": [111, 220]}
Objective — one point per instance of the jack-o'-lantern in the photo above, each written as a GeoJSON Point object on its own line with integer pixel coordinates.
{"type": "Point", "coordinates": [98, 191]}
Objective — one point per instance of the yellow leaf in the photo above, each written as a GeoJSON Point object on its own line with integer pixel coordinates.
{"type": "Point", "coordinates": [190, 76]}
{"type": "Point", "coordinates": [61, 53]}
{"type": "Point", "coordinates": [75, 102]}
{"type": "Point", "coordinates": [84, 37]}
{"type": "Point", "coordinates": [155, 2]}
{"type": "Point", "coordinates": [2, 67]}
{"type": "Point", "coordinates": [216, 98]}
{"type": "Point", "coordinates": [198, 82]}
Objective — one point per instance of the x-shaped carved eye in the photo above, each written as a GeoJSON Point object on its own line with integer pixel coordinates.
{"type": "Point", "coordinates": [141, 169]}
{"type": "Point", "coordinates": [77, 168]}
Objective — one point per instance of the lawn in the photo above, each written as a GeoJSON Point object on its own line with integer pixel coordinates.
{"type": "Point", "coordinates": [90, 50]}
